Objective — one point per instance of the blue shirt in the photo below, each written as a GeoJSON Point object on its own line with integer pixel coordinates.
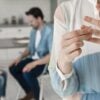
{"type": "Point", "coordinates": [45, 44]}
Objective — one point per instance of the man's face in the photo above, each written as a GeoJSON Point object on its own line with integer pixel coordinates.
{"type": "Point", "coordinates": [34, 22]}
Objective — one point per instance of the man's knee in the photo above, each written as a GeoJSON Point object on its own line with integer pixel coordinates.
{"type": "Point", "coordinates": [13, 70]}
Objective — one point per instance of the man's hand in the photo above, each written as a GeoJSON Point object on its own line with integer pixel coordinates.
{"type": "Point", "coordinates": [71, 48]}
{"type": "Point", "coordinates": [29, 67]}
{"type": "Point", "coordinates": [18, 59]}
{"type": "Point", "coordinates": [15, 62]}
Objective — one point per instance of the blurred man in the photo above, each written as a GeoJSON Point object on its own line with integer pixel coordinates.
{"type": "Point", "coordinates": [30, 65]}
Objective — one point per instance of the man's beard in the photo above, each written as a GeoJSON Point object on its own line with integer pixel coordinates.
{"type": "Point", "coordinates": [36, 28]}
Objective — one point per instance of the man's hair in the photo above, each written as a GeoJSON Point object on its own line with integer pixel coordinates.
{"type": "Point", "coordinates": [35, 12]}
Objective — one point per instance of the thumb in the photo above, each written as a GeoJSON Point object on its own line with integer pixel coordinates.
{"type": "Point", "coordinates": [25, 69]}
{"type": "Point", "coordinates": [16, 63]}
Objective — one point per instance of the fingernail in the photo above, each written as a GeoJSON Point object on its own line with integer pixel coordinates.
{"type": "Point", "coordinates": [83, 26]}
{"type": "Point", "coordinates": [87, 18]}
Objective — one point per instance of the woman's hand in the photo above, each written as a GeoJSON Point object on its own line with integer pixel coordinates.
{"type": "Point", "coordinates": [96, 22]}
{"type": "Point", "coordinates": [71, 48]}
{"type": "Point", "coordinates": [95, 31]}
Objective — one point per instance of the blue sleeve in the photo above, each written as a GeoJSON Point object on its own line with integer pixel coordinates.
{"type": "Point", "coordinates": [56, 81]}
{"type": "Point", "coordinates": [30, 41]}
{"type": "Point", "coordinates": [91, 96]}
{"type": "Point", "coordinates": [72, 84]}
{"type": "Point", "coordinates": [50, 38]}
{"type": "Point", "coordinates": [49, 41]}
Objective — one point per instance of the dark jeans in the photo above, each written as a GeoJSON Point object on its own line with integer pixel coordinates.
{"type": "Point", "coordinates": [28, 81]}
{"type": "Point", "coordinates": [3, 81]}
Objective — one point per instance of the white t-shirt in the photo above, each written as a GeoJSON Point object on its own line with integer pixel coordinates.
{"type": "Point", "coordinates": [37, 41]}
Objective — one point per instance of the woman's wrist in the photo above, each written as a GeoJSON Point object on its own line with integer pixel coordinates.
{"type": "Point", "coordinates": [65, 68]}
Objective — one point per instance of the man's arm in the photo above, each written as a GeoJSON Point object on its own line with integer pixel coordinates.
{"type": "Point", "coordinates": [28, 50]}
{"type": "Point", "coordinates": [44, 60]}
{"type": "Point", "coordinates": [24, 54]}
{"type": "Point", "coordinates": [18, 59]}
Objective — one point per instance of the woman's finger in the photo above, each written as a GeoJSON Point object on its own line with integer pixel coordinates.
{"type": "Point", "coordinates": [66, 43]}
{"type": "Point", "coordinates": [75, 53]}
{"type": "Point", "coordinates": [73, 34]}
{"type": "Point", "coordinates": [73, 47]}
{"type": "Point", "coordinates": [96, 32]}
{"type": "Point", "coordinates": [92, 21]}
{"type": "Point", "coordinates": [95, 40]}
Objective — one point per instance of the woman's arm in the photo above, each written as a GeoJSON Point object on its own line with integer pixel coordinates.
{"type": "Point", "coordinates": [66, 86]}
{"type": "Point", "coordinates": [91, 96]}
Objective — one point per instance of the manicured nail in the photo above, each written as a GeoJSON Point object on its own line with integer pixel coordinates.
{"type": "Point", "coordinates": [87, 18]}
